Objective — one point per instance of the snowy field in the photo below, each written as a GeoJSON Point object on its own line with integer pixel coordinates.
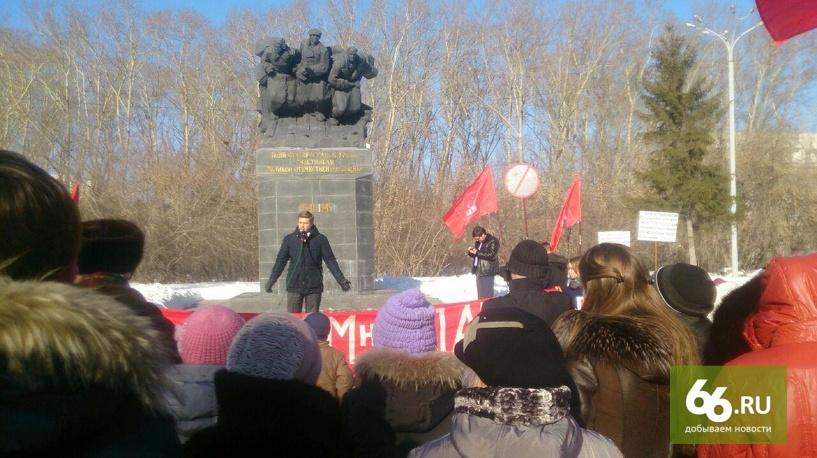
{"type": "Point", "coordinates": [439, 289]}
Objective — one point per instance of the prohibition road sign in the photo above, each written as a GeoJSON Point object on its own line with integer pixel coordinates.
{"type": "Point", "coordinates": [521, 180]}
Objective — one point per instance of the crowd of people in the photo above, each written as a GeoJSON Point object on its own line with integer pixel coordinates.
{"type": "Point", "coordinates": [574, 361]}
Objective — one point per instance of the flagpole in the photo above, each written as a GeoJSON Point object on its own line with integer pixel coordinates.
{"type": "Point", "coordinates": [655, 256]}
{"type": "Point", "coordinates": [501, 231]}
{"type": "Point", "coordinates": [580, 239]}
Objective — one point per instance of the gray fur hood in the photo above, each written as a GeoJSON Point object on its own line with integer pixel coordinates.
{"type": "Point", "coordinates": [516, 422]}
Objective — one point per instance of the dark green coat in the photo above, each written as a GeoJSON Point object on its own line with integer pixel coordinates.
{"type": "Point", "coordinates": [305, 273]}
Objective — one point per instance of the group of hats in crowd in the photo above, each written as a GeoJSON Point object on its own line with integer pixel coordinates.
{"type": "Point", "coordinates": [92, 365]}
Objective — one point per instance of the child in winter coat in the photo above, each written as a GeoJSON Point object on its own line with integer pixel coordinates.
{"type": "Point", "coordinates": [336, 377]}
{"type": "Point", "coordinates": [204, 340]}
{"type": "Point", "coordinates": [405, 388]}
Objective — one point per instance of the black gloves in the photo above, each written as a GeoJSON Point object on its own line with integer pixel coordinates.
{"type": "Point", "coordinates": [268, 285]}
{"type": "Point", "coordinates": [345, 285]}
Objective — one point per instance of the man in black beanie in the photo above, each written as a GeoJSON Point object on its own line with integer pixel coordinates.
{"type": "Point", "coordinates": [528, 276]}
{"type": "Point", "coordinates": [522, 402]}
{"type": "Point", "coordinates": [689, 291]}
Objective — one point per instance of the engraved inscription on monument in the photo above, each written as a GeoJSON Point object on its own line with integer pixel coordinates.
{"type": "Point", "coordinates": [312, 161]}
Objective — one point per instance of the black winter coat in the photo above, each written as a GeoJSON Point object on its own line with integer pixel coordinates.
{"type": "Point", "coordinates": [305, 273]}
{"type": "Point", "coordinates": [264, 417]}
{"type": "Point", "coordinates": [488, 255]}
{"type": "Point", "coordinates": [528, 294]}
{"type": "Point", "coordinates": [401, 401]}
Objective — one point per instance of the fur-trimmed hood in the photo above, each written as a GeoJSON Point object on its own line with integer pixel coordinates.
{"type": "Point", "coordinates": [62, 338]}
{"type": "Point", "coordinates": [414, 394]}
{"type": "Point", "coordinates": [81, 375]}
{"type": "Point", "coordinates": [516, 422]}
{"type": "Point", "coordinates": [633, 342]}
{"type": "Point", "coordinates": [404, 369]}
{"type": "Point", "coordinates": [515, 406]}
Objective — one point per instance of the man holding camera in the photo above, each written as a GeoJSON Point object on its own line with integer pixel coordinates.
{"type": "Point", "coordinates": [485, 263]}
{"type": "Point", "coordinates": [305, 250]}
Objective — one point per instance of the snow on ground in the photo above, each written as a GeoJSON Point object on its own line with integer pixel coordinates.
{"type": "Point", "coordinates": [186, 295]}
{"type": "Point", "coordinates": [458, 288]}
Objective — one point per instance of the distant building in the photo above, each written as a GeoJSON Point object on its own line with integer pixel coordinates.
{"type": "Point", "coordinates": [805, 150]}
{"type": "Point", "coordinates": [803, 145]}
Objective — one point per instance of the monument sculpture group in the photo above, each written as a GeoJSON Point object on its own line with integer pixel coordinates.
{"type": "Point", "coordinates": [310, 96]}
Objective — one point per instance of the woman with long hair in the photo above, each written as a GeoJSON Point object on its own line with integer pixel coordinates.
{"type": "Point", "coordinates": [620, 348]}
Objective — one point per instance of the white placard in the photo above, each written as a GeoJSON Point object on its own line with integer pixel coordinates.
{"type": "Point", "coordinates": [620, 237]}
{"type": "Point", "coordinates": [657, 226]}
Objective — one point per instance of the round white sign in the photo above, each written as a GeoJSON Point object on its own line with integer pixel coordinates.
{"type": "Point", "coordinates": [521, 180]}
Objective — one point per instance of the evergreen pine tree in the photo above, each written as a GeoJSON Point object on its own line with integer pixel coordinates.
{"type": "Point", "coordinates": [681, 115]}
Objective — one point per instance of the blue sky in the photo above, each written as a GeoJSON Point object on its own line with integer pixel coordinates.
{"type": "Point", "coordinates": [13, 11]}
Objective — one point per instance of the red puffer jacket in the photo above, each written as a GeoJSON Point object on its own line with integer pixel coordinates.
{"type": "Point", "coordinates": [783, 332]}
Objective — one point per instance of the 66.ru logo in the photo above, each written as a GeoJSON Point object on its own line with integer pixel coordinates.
{"type": "Point", "coordinates": [716, 408]}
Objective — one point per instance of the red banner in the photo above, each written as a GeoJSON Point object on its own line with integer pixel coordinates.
{"type": "Point", "coordinates": [352, 330]}
{"type": "Point", "coordinates": [570, 214]}
{"type": "Point", "coordinates": [787, 18]}
{"type": "Point", "coordinates": [478, 199]}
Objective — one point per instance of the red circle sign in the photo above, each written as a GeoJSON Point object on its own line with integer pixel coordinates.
{"type": "Point", "coordinates": [521, 180]}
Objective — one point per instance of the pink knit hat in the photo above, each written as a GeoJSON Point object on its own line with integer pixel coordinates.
{"type": "Point", "coordinates": [206, 335]}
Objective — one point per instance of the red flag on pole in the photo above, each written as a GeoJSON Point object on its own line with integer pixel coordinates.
{"type": "Point", "coordinates": [478, 199]}
{"type": "Point", "coordinates": [75, 192]}
{"type": "Point", "coordinates": [787, 18]}
{"type": "Point", "coordinates": [570, 214]}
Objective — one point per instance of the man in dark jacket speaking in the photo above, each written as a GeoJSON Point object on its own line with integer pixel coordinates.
{"type": "Point", "coordinates": [305, 249]}
{"type": "Point", "coordinates": [485, 264]}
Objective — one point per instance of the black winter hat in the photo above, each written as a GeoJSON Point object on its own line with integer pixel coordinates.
{"type": "Point", "coordinates": [509, 347]}
{"type": "Point", "coordinates": [686, 288]}
{"type": "Point", "coordinates": [110, 245]}
{"type": "Point", "coordinates": [529, 259]}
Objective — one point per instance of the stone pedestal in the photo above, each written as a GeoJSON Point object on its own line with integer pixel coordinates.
{"type": "Point", "coordinates": [335, 184]}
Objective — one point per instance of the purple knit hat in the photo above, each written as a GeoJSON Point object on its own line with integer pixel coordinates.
{"type": "Point", "coordinates": [206, 335]}
{"type": "Point", "coordinates": [406, 323]}
{"type": "Point", "coordinates": [276, 346]}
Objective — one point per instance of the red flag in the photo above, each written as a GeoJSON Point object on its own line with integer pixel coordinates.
{"type": "Point", "coordinates": [75, 192]}
{"type": "Point", "coordinates": [570, 214]}
{"type": "Point", "coordinates": [478, 199]}
{"type": "Point", "coordinates": [787, 18]}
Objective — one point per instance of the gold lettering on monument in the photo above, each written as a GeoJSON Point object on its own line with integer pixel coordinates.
{"type": "Point", "coordinates": [306, 162]}
{"type": "Point", "coordinates": [326, 207]}
{"type": "Point", "coordinates": [314, 169]}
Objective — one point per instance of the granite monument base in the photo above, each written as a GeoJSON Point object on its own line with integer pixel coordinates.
{"type": "Point", "coordinates": [335, 185]}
